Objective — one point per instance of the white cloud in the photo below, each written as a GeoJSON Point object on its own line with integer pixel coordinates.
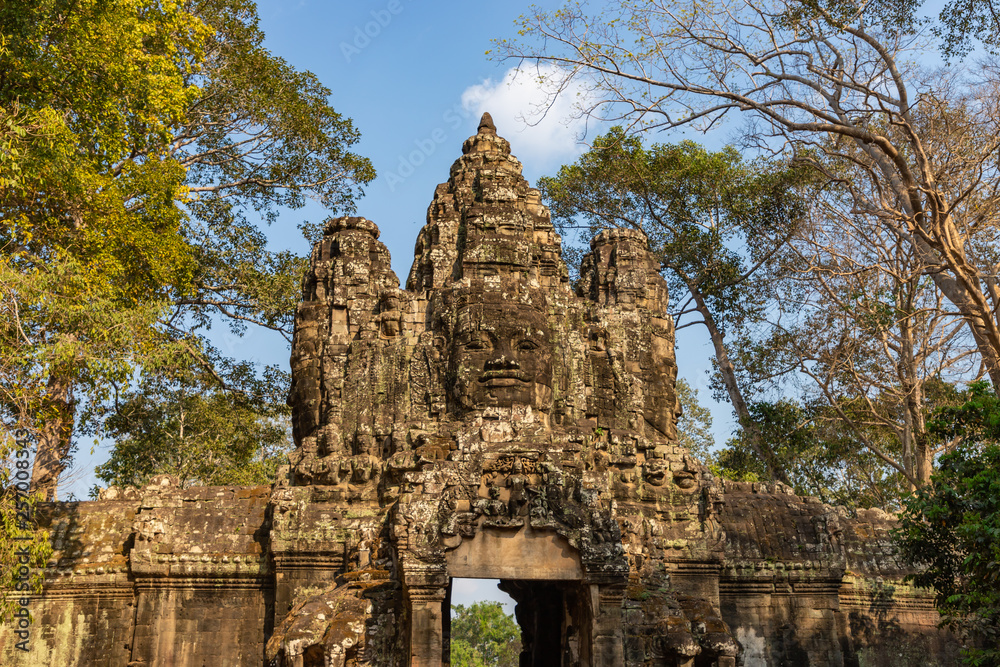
{"type": "Point", "coordinates": [542, 135]}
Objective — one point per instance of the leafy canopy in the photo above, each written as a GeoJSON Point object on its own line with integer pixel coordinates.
{"type": "Point", "coordinates": [710, 216]}
{"type": "Point", "coordinates": [189, 428]}
{"type": "Point", "coordinates": [821, 455]}
{"type": "Point", "coordinates": [483, 635]}
{"type": "Point", "coordinates": [142, 142]}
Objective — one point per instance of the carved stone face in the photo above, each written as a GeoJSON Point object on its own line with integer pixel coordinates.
{"type": "Point", "coordinates": [655, 471]}
{"type": "Point", "coordinates": [502, 356]}
{"type": "Point", "coordinates": [631, 272]}
{"type": "Point", "coordinates": [686, 478]}
{"type": "Point", "coordinates": [661, 408]}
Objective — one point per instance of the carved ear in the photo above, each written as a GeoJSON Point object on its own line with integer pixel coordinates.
{"type": "Point", "coordinates": [440, 343]}
{"type": "Point", "coordinates": [661, 327]}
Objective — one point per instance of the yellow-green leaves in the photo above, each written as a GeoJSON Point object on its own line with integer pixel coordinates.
{"type": "Point", "coordinates": [115, 70]}
{"type": "Point", "coordinates": [142, 143]}
{"type": "Point", "coordinates": [94, 93]}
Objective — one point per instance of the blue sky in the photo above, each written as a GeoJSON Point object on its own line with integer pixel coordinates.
{"type": "Point", "coordinates": [415, 78]}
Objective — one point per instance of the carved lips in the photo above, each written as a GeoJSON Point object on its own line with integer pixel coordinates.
{"type": "Point", "coordinates": [504, 378]}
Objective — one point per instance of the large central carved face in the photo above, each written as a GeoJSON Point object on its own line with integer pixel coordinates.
{"type": "Point", "coordinates": [502, 356]}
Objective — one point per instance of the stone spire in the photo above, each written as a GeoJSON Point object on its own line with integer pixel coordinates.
{"type": "Point", "coordinates": [486, 125]}
{"type": "Point", "coordinates": [486, 221]}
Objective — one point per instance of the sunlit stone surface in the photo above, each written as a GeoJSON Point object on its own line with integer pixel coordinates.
{"type": "Point", "coordinates": [490, 420]}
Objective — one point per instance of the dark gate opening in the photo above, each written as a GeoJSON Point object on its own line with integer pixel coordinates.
{"type": "Point", "coordinates": [555, 622]}
{"type": "Point", "coordinates": [553, 616]}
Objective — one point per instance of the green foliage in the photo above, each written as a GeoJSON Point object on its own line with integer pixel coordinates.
{"type": "Point", "coordinates": [22, 543]}
{"type": "Point", "coordinates": [694, 427]}
{"type": "Point", "coordinates": [58, 317]}
{"type": "Point", "coordinates": [975, 420]}
{"type": "Point", "coordinates": [482, 635]}
{"type": "Point", "coordinates": [190, 428]}
{"type": "Point", "coordinates": [950, 528]}
{"type": "Point", "coordinates": [960, 24]}
{"type": "Point", "coordinates": [710, 217]}
{"type": "Point", "coordinates": [821, 458]}
{"type": "Point", "coordinates": [142, 142]}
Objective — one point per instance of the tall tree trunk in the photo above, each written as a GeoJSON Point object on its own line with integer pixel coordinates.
{"type": "Point", "coordinates": [980, 315]}
{"type": "Point", "coordinates": [54, 437]}
{"type": "Point", "coordinates": [940, 247]}
{"type": "Point", "coordinates": [774, 469]}
{"type": "Point", "coordinates": [934, 236]}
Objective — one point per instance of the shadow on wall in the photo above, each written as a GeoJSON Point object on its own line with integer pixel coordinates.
{"type": "Point", "coordinates": [881, 641]}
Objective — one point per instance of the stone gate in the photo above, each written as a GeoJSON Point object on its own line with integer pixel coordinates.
{"type": "Point", "coordinates": [490, 420]}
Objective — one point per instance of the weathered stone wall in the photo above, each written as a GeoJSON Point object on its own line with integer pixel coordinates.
{"type": "Point", "coordinates": [86, 615]}
{"type": "Point", "coordinates": [202, 576]}
{"type": "Point", "coordinates": [166, 576]}
{"type": "Point", "coordinates": [805, 583]}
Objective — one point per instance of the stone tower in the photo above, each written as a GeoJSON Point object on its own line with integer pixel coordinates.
{"type": "Point", "coordinates": [492, 422]}
{"type": "Point", "coordinates": [488, 421]}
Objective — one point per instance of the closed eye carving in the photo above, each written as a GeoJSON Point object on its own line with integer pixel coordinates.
{"type": "Point", "coordinates": [478, 343]}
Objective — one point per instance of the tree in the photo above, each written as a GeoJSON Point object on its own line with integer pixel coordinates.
{"type": "Point", "coordinates": [823, 456]}
{"type": "Point", "coordinates": [868, 332]}
{"type": "Point", "coordinates": [960, 23]}
{"type": "Point", "coordinates": [716, 223]}
{"type": "Point", "coordinates": [24, 547]}
{"type": "Point", "coordinates": [950, 529]}
{"type": "Point", "coordinates": [694, 426]}
{"type": "Point", "coordinates": [483, 635]}
{"type": "Point", "coordinates": [190, 428]}
{"type": "Point", "coordinates": [866, 340]}
{"type": "Point", "coordinates": [826, 84]}
{"type": "Point", "coordinates": [149, 136]}
{"type": "Point", "coordinates": [77, 239]}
